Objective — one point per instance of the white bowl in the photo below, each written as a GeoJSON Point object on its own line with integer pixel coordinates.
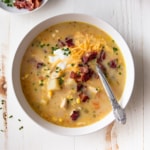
{"type": "Point", "coordinates": [15, 10]}
{"type": "Point", "coordinates": [42, 26]}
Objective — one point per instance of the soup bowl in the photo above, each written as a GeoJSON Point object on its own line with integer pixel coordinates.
{"type": "Point", "coordinates": [10, 8]}
{"type": "Point", "coordinates": [129, 82]}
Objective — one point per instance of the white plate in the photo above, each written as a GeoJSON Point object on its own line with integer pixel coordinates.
{"type": "Point", "coordinates": [15, 10]}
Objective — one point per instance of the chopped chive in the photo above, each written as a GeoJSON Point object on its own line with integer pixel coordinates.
{"type": "Point", "coordinates": [11, 116]}
{"type": "Point", "coordinates": [54, 49]}
{"type": "Point", "coordinates": [19, 120]}
{"type": "Point", "coordinates": [2, 101]}
{"type": "Point", "coordinates": [113, 41]}
{"type": "Point", "coordinates": [47, 76]}
{"type": "Point", "coordinates": [72, 65]}
{"type": "Point", "coordinates": [115, 49]}
{"type": "Point", "coordinates": [57, 69]}
{"type": "Point", "coordinates": [21, 128]}
{"type": "Point", "coordinates": [66, 51]}
{"type": "Point", "coordinates": [60, 80]}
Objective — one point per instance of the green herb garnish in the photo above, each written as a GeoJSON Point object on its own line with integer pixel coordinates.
{"type": "Point", "coordinates": [54, 49]}
{"type": "Point", "coordinates": [19, 120]}
{"type": "Point", "coordinates": [21, 128]}
{"type": "Point", "coordinates": [57, 69]}
{"type": "Point", "coordinates": [2, 130]}
{"type": "Point", "coordinates": [72, 65]}
{"type": "Point", "coordinates": [61, 80]}
{"type": "Point", "coordinates": [11, 116]}
{"type": "Point", "coordinates": [9, 3]}
{"type": "Point", "coordinates": [2, 102]}
{"type": "Point", "coordinates": [66, 51]}
{"type": "Point", "coordinates": [115, 49]}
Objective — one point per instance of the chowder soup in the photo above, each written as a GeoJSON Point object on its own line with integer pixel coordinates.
{"type": "Point", "coordinates": [58, 73]}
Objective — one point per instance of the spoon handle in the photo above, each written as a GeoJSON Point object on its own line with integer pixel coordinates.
{"type": "Point", "coordinates": [118, 111]}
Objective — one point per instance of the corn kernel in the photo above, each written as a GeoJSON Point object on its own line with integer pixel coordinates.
{"type": "Point", "coordinates": [50, 93]}
{"type": "Point", "coordinates": [78, 100]}
{"type": "Point", "coordinates": [60, 120]}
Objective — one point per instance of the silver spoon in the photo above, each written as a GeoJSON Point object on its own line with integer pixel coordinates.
{"type": "Point", "coordinates": [118, 111]}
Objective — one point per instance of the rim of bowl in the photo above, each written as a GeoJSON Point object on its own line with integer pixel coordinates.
{"type": "Point", "coordinates": [14, 10]}
{"type": "Point", "coordinates": [130, 72]}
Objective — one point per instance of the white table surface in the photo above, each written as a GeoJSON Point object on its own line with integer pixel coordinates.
{"type": "Point", "coordinates": [132, 19]}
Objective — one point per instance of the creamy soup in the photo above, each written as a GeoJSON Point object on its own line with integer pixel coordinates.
{"type": "Point", "coordinates": [59, 78]}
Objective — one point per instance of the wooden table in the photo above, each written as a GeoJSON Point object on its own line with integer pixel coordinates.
{"type": "Point", "coordinates": [132, 19]}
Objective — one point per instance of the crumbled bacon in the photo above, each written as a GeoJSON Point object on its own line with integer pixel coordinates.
{"type": "Point", "coordinates": [101, 57]}
{"type": "Point", "coordinates": [83, 97]}
{"type": "Point", "coordinates": [84, 69]}
{"type": "Point", "coordinates": [75, 76]}
{"type": "Point", "coordinates": [88, 57]}
{"type": "Point", "coordinates": [79, 87]}
{"type": "Point", "coordinates": [113, 63]}
{"type": "Point", "coordinates": [75, 115]}
{"type": "Point", "coordinates": [40, 65]}
{"type": "Point", "coordinates": [69, 41]}
{"type": "Point", "coordinates": [27, 4]}
{"type": "Point", "coordinates": [84, 75]}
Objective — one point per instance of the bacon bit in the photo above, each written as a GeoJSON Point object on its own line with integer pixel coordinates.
{"type": "Point", "coordinates": [27, 4]}
{"type": "Point", "coordinates": [85, 74]}
{"type": "Point", "coordinates": [83, 97]}
{"type": "Point", "coordinates": [113, 63]}
{"type": "Point", "coordinates": [101, 57]}
{"type": "Point", "coordinates": [75, 115]}
{"type": "Point", "coordinates": [40, 65]}
{"type": "Point", "coordinates": [84, 69]}
{"type": "Point", "coordinates": [88, 57]}
{"type": "Point", "coordinates": [79, 87]}
{"type": "Point", "coordinates": [69, 42]}
{"type": "Point", "coordinates": [74, 75]}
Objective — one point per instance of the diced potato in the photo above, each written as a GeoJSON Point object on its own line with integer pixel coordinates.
{"type": "Point", "coordinates": [63, 103]}
{"type": "Point", "coordinates": [54, 75]}
{"type": "Point", "coordinates": [71, 83]}
{"type": "Point", "coordinates": [53, 84]}
{"type": "Point", "coordinates": [92, 91]}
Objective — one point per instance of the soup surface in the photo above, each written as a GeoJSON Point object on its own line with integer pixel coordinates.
{"type": "Point", "coordinates": [59, 78]}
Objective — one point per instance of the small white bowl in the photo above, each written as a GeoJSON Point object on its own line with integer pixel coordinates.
{"type": "Point", "coordinates": [130, 74]}
{"type": "Point", "coordinates": [15, 10]}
